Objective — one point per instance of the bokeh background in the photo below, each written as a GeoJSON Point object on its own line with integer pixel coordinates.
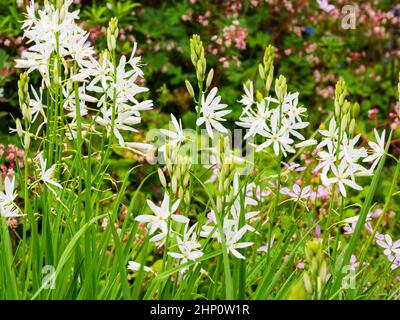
{"type": "Point", "coordinates": [313, 51]}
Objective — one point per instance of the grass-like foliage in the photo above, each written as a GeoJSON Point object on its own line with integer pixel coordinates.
{"type": "Point", "coordinates": [260, 207]}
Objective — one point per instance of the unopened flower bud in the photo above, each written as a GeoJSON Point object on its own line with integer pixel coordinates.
{"type": "Point", "coordinates": [27, 140]}
{"type": "Point", "coordinates": [307, 282]}
{"type": "Point", "coordinates": [209, 78]}
{"type": "Point", "coordinates": [261, 71]}
{"type": "Point", "coordinates": [186, 180]}
{"type": "Point", "coordinates": [112, 34]}
{"type": "Point", "coordinates": [355, 110]}
{"type": "Point", "coordinates": [346, 107]}
{"type": "Point", "coordinates": [186, 197]}
{"type": "Point", "coordinates": [26, 113]}
{"type": "Point", "coordinates": [269, 80]}
{"type": "Point", "coordinates": [345, 121]}
{"type": "Point", "coordinates": [323, 271]}
{"type": "Point", "coordinates": [189, 88]}
{"type": "Point", "coordinates": [180, 193]}
{"type": "Point", "coordinates": [19, 128]}
{"type": "Point", "coordinates": [280, 88]}
{"type": "Point", "coordinates": [337, 108]}
{"type": "Point", "coordinates": [174, 184]}
{"type": "Point", "coordinates": [23, 90]}
{"type": "Point", "coordinates": [352, 126]}
{"type": "Point", "coordinates": [161, 176]}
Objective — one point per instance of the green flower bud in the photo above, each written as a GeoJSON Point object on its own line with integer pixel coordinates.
{"type": "Point", "coordinates": [337, 108]}
{"type": "Point", "coordinates": [23, 90]}
{"type": "Point", "coordinates": [180, 194]}
{"type": "Point", "coordinates": [307, 282]}
{"type": "Point", "coordinates": [174, 184]}
{"type": "Point", "coordinates": [270, 78]}
{"type": "Point", "coordinates": [178, 172]}
{"type": "Point", "coordinates": [259, 96]}
{"type": "Point", "coordinates": [345, 121]}
{"type": "Point", "coordinates": [161, 176]}
{"type": "Point", "coordinates": [355, 110]}
{"type": "Point", "coordinates": [261, 71]}
{"type": "Point", "coordinates": [19, 128]}
{"type": "Point", "coordinates": [27, 140]}
{"type": "Point", "coordinates": [280, 88]}
{"type": "Point", "coordinates": [323, 271]}
{"type": "Point", "coordinates": [26, 113]}
{"type": "Point", "coordinates": [314, 264]}
{"type": "Point", "coordinates": [196, 50]}
{"type": "Point", "coordinates": [209, 78]}
{"type": "Point", "coordinates": [269, 55]}
{"type": "Point", "coordinates": [352, 126]}
{"type": "Point", "coordinates": [112, 34]}
{"type": "Point", "coordinates": [186, 197]}
{"type": "Point", "coordinates": [186, 181]}
{"type": "Point", "coordinates": [346, 107]}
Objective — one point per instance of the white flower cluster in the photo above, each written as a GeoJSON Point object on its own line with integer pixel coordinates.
{"type": "Point", "coordinates": [276, 121]}
{"type": "Point", "coordinates": [52, 31]}
{"type": "Point", "coordinates": [189, 247]}
{"type": "Point", "coordinates": [340, 161]}
{"type": "Point", "coordinates": [233, 231]}
{"type": "Point", "coordinates": [8, 208]}
{"type": "Point", "coordinates": [212, 112]}
{"type": "Point", "coordinates": [119, 88]}
{"type": "Point", "coordinates": [58, 42]}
